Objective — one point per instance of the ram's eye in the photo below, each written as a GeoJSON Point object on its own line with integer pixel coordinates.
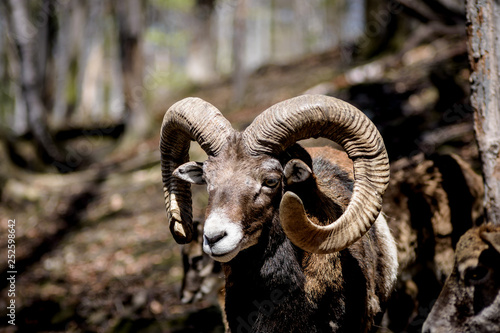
{"type": "Point", "coordinates": [476, 275]}
{"type": "Point", "coordinates": [271, 182]}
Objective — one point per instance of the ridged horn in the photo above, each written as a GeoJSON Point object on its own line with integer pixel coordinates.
{"type": "Point", "coordinates": [189, 119]}
{"type": "Point", "coordinates": [312, 116]}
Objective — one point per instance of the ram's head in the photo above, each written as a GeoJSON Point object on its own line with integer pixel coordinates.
{"type": "Point", "coordinates": [246, 173]}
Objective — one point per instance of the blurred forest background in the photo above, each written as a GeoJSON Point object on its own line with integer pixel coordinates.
{"type": "Point", "coordinates": [84, 86]}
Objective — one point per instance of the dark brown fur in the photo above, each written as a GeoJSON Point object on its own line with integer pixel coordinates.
{"type": "Point", "coordinates": [274, 286]}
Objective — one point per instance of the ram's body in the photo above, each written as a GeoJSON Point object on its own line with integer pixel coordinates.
{"type": "Point", "coordinates": [300, 235]}
{"type": "Point", "coordinates": [429, 204]}
{"type": "Point", "coordinates": [274, 286]}
{"type": "Point", "coordinates": [470, 299]}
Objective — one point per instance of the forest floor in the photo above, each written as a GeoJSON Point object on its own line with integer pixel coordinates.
{"type": "Point", "coordinates": [93, 249]}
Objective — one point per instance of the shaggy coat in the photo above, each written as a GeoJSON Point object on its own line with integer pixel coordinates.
{"type": "Point", "coordinates": [274, 286]}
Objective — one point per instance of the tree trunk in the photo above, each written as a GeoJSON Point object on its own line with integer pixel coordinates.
{"type": "Point", "coordinates": [239, 49]}
{"type": "Point", "coordinates": [483, 29]}
{"type": "Point", "coordinates": [130, 28]}
{"type": "Point", "coordinates": [69, 45]}
{"type": "Point", "coordinates": [25, 35]}
{"type": "Point", "coordinates": [201, 57]}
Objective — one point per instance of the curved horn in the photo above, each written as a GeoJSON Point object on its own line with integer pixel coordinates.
{"type": "Point", "coordinates": [186, 120]}
{"type": "Point", "coordinates": [308, 116]}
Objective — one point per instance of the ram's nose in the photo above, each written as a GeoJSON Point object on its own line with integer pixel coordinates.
{"type": "Point", "coordinates": [212, 239]}
{"type": "Point", "coordinates": [222, 236]}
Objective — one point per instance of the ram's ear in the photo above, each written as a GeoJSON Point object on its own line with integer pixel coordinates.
{"type": "Point", "coordinates": [191, 172]}
{"type": "Point", "coordinates": [296, 171]}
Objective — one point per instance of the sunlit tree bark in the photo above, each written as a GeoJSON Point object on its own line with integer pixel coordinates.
{"type": "Point", "coordinates": [483, 29]}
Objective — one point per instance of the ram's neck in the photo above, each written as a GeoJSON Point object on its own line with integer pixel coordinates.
{"type": "Point", "coordinates": [265, 285]}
